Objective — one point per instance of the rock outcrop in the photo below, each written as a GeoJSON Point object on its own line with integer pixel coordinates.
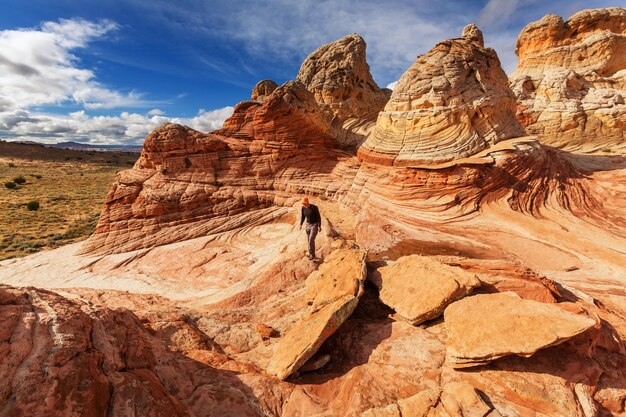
{"type": "Point", "coordinates": [338, 75]}
{"type": "Point", "coordinates": [487, 327]}
{"type": "Point", "coordinates": [333, 292]}
{"type": "Point", "coordinates": [65, 356]}
{"type": "Point", "coordinates": [453, 102]}
{"type": "Point", "coordinates": [262, 89]}
{"type": "Point", "coordinates": [570, 81]}
{"type": "Point", "coordinates": [420, 288]}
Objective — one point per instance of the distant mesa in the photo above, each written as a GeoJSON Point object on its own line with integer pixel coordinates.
{"type": "Point", "coordinates": [570, 81]}
{"type": "Point", "coordinates": [453, 102]}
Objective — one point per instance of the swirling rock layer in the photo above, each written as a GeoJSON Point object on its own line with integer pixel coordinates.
{"type": "Point", "coordinates": [570, 81]}
{"type": "Point", "coordinates": [452, 103]}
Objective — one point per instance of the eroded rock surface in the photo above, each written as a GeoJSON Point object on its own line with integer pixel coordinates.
{"type": "Point", "coordinates": [339, 76]}
{"type": "Point", "coordinates": [453, 102]}
{"type": "Point", "coordinates": [420, 288]}
{"type": "Point", "coordinates": [570, 81]}
{"type": "Point", "coordinates": [487, 327]}
{"type": "Point", "coordinates": [334, 291]}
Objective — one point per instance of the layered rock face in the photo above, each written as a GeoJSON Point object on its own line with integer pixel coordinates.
{"type": "Point", "coordinates": [185, 177]}
{"type": "Point", "coordinates": [483, 249]}
{"type": "Point", "coordinates": [339, 77]}
{"type": "Point", "coordinates": [452, 103]}
{"type": "Point", "coordinates": [570, 81]}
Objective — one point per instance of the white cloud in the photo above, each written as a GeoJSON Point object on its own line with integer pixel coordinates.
{"type": "Point", "coordinates": [156, 112]}
{"type": "Point", "coordinates": [37, 67]}
{"type": "Point", "coordinates": [126, 128]}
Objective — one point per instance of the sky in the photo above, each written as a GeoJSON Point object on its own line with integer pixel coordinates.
{"type": "Point", "coordinates": [108, 72]}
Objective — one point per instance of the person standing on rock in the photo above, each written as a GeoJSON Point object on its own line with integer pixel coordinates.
{"type": "Point", "coordinates": [311, 213]}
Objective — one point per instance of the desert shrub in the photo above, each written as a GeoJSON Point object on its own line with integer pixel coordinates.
{"type": "Point", "coordinates": [32, 205]}
{"type": "Point", "coordinates": [163, 170]}
{"type": "Point", "coordinates": [19, 180]}
{"type": "Point", "coordinates": [11, 165]}
{"type": "Point", "coordinates": [10, 185]}
{"type": "Point", "coordinates": [607, 150]}
{"type": "Point", "coordinates": [38, 176]}
{"type": "Point", "coordinates": [187, 162]}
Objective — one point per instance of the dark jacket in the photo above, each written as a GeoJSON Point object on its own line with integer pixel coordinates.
{"type": "Point", "coordinates": [311, 214]}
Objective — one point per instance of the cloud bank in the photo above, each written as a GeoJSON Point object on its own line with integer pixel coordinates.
{"type": "Point", "coordinates": [38, 68]}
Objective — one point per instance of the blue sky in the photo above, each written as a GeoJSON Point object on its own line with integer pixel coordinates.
{"type": "Point", "coordinates": [111, 71]}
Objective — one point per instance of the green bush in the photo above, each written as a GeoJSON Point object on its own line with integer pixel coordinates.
{"type": "Point", "coordinates": [32, 205]}
{"type": "Point", "coordinates": [10, 185]}
{"type": "Point", "coordinates": [19, 180]}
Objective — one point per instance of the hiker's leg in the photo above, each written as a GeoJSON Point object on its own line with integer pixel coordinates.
{"type": "Point", "coordinates": [312, 239]}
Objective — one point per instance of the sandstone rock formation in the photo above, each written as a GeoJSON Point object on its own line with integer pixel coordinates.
{"type": "Point", "coordinates": [487, 327]}
{"type": "Point", "coordinates": [194, 296]}
{"type": "Point", "coordinates": [339, 77]}
{"type": "Point", "coordinates": [452, 103]}
{"type": "Point", "coordinates": [334, 291]}
{"type": "Point", "coordinates": [420, 288]}
{"type": "Point", "coordinates": [262, 89]}
{"type": "Point", "coordinates": [570, 81]}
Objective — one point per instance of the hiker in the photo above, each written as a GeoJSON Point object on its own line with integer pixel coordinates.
{"type": "Point", "coordinates": [313, 223]}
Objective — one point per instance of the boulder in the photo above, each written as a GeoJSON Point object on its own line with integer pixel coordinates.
{"type": "Point", "coordinates": [333, 292]}
{"type": "Point", "coordinates": [419, 288]}
{"type": "Point", "coordinates": [485, 327]}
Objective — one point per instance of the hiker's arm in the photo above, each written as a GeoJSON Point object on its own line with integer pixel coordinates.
{"type": "Point", "coordinates": [301, 217]}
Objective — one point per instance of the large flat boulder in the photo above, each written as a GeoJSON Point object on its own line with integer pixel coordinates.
{"type": "Point", "coordinates": [333, 292]}
{"type": "Point", "coordinates": [420, 288]}
{"type": "Point", "coordinates": [489, 326]}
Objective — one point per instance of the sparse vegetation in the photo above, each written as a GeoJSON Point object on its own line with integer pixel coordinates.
{"type": "Point", "coordinates": [163, 171]}
{"type": "Point", "coordinates": [32, 205]}
{"type": "Point", "coordinates": [10, 185]}
{"type": "Point", "coordinates": [19, 180]}
{"type": "Point", "coordinates": [69, 203]}
{"type": "Point", "coordinates": [607, 150]}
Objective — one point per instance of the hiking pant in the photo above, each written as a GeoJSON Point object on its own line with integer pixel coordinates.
{"type": "Point", "coordinates": [311, 233]}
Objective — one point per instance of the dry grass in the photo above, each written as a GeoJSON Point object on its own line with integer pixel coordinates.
{"type": "Point", "coordinates": [70, 187]}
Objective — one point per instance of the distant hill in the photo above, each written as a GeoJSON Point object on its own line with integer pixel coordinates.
{"type": "Point", "coordinates": [86, 146]}
{"type": "Point", "coordinates": [37, 151]}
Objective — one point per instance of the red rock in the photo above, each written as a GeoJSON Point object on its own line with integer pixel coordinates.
{"type": "Point", "coordinates": [487, 327]}
{"type": "Point", "coordinates": [420, 288]}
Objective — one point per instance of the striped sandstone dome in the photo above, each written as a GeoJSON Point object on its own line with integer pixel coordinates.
{"type": "Point", "coordinates": [452, 103]}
